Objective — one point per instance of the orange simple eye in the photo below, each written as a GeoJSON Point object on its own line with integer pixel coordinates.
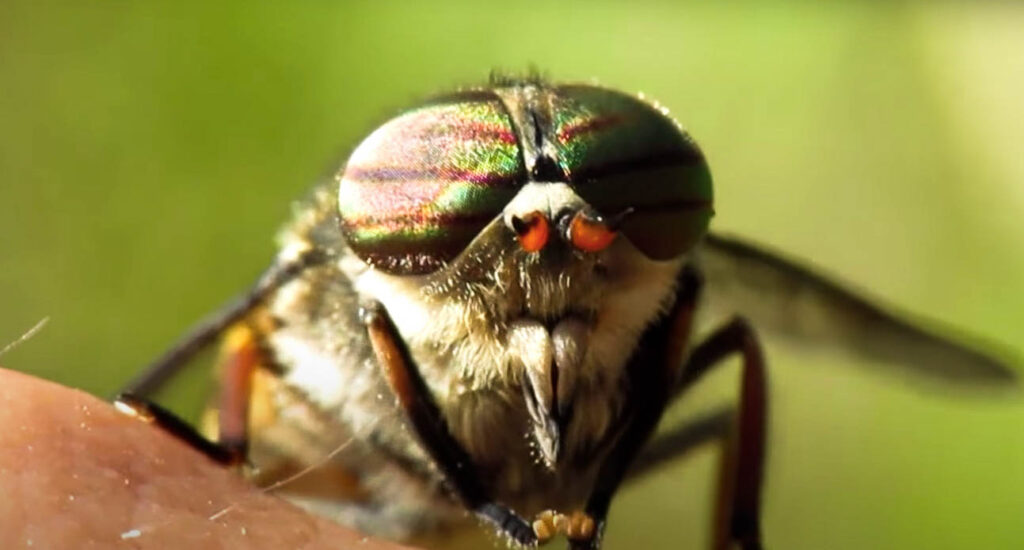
{"type": "Point", "coordinates": [588, 234]}
{"type": "Point", "coordinates": [532, 230]}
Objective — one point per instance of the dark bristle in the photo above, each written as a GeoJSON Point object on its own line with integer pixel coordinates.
{"type": "Point", "coordinates": [501, 78]}
{"type": "Point", "coordinates": [468, 95]}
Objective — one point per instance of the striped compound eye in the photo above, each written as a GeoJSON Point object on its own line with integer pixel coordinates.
{"type": "Point", "coordinates": [632, 163]}
{"type": "Point", "coordinates": [422, 186]}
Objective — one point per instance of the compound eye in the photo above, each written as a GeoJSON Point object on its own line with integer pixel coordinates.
{"type": "Point", "coordinates": [421, 187]}
{"type": "Point", "coordinates": [622, 154]}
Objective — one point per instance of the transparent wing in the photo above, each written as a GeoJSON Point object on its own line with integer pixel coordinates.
{"type": "Point", "coordinates": [788, 301]}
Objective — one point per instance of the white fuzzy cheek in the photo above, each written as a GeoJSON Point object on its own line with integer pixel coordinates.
{"type": "Point", "coordinates": [629, 309]}
{"type": "Point", "coordinates": [402, 302]}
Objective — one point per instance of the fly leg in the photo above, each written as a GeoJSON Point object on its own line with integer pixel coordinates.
{"type": "Point", "coordinates": [737, 517]}
{"type": "Point", "coordinates": [154, 414]}
{"type": "Point", "coordinates": [432, 431]}
{"type": "Point", "coordinates": [653, 374]}
{"type": "Point", "coordinates": [738, 512]}
{"type": "Point", "coordinates": [680, 441]}
{"type": "Point", "coordinates": [239, 367]}
{"type": "Point", "coordinates": [241, 359]}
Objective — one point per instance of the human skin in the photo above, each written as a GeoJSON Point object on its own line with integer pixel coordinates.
{"type": "Point", "coordinates": [75, 473]}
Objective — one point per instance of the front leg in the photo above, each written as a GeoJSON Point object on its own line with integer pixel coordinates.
{"type": "Point", "coordinates": [738, 514]}
{"type": "Point", "coordinates": [653, 373]}
{"type": "Point", "coordinates": [432, 431]}
{"type": "Point", "coordinates": [241, 358]}
{"type": "Point", "coordinates": [737, 518]}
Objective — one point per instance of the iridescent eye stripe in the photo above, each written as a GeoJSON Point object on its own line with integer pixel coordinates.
{"type": "Point", "coordinates": [423, 186]}
{"type": "Point", "coordinates": [682, 159]}
{"type": "Point", "coordinates": [579, 125]}
{"type": "Point", "coordinates": [622, 153]}
{"type": "Point", "coordinates": [397, 173]}
{"type": "Point", "coordinates": [418, 189]}
{"type": "Point", "coordinates": [601, 131]}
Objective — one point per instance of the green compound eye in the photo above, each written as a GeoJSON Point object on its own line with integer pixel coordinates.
{"type": "Point", "coordinates": [621, 153]}
{"type": "Point", "coordinates": [422, 186]}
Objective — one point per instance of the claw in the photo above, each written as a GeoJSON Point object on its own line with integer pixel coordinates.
{"type": "Point", "coordinates": [580, 526]}
{"type": "Point", "coordinates": [544, 526]}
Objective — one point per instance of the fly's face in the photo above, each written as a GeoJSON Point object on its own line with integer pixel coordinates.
{"type": "Point", "coordinates": [522, 238]}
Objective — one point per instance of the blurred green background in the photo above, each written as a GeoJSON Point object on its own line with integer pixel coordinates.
{"type": "Point", "coordinates": [148, 152]}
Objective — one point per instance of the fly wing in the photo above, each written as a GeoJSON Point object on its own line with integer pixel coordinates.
{"type": "Point", "coordinates": [789, 301]}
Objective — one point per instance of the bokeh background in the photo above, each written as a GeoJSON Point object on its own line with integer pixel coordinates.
{"type": "Point", "coordinates": [149, 151]}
